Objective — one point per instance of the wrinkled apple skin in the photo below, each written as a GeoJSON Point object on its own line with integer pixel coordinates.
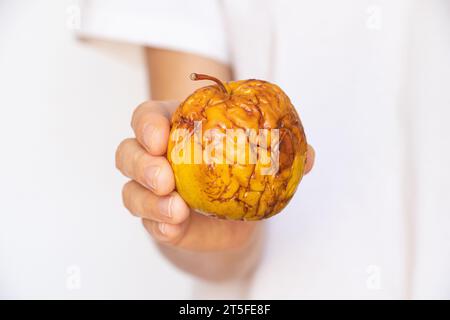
{"type": "Point", "coordinates": [239, 191]}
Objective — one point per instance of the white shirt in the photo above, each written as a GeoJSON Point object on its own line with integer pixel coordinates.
{"type": "Point", "coordinates": [370, 80]}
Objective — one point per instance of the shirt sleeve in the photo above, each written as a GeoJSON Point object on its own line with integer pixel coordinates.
{"type": "Point", "coordinates": [195, 26]}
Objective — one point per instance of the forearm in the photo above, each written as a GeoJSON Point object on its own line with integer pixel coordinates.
{"type": "Point", "coordinates": [169, 73]}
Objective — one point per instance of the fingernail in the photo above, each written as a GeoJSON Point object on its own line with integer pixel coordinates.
{"type": "Point", "coordinates": [162, 228]}
{"type": "Point", "coordinates": [148, 135]}
{"type": "Point", "coordinates": [165, 206]}
{"type": "Point", "coordinates": [151, 176]}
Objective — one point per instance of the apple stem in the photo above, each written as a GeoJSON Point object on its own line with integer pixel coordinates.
{"type": "Point", "coordinates": [199, 76]}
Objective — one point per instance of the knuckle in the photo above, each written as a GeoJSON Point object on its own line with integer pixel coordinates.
{"type": "Point", "coordinates": [148, 225]}
{"type": "Point", "coordinates": [156, 233]}
{"type": "Point", "coordinates": [137, 112]}
{"type": "Point", "coordinates": [140, 161]}
{"type": "Point", "coordinates": [120, 152]}
{"type": "Point", "coordinates": [170, 236]}
{"type": "Point", "coordinates": [140, 111]}
{"type": "Point", "coordinates": [126, 191]}
{"type": "Point", "coordinates": [165, 181]}
{"type": "Point", "coordinates": [178, 218]}
{"type": "Point", "coordinates": [174, 238]}
{"type": "Point", "coordinates": [166, 169]}
{"type": "Point", "coordinates": [148, 207]}
{"type": "Point", "coordinates": [180, 209]}
{"type": "Point", "coordinates": [176, 233]}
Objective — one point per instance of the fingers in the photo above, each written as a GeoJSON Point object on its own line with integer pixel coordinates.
{"type": "Point", "coordinates": [136, 163]}
{"type": "Point", "coordinates": [166, 218]}
{"type": "Point", "coordinates": [145, 204]}
{"type": "Point", "coordinates": [151, 125]}
{"type": "Point", "coordinates": [310, 157]}
{"type": "Point", "coordinates": [169, 220]}
{"type": "Point", "coordinates": [165, 232]}
{"type": "Point", "coordinates": [164, 213]}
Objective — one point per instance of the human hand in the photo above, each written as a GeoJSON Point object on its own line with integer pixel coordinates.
{"type": "Point", "coordinates": [150, 193]}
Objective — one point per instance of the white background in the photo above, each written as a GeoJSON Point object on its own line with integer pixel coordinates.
{"type": "Point", "coordinates": [381, 92]}
{"type": "Point", "coordinates": [63, 230]}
